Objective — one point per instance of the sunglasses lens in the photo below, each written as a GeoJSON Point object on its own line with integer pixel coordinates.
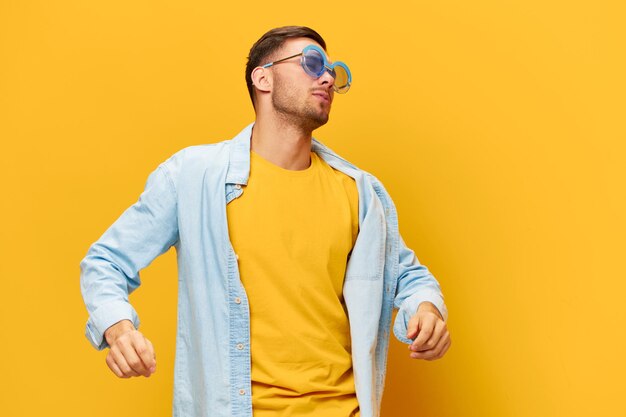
{"type": "Point", "coordinates": [313, 63]}
{"type": "Point", "coordinates": [341, 78]}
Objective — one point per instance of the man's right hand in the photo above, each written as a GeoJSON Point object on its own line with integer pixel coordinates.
{"type": "Point", "coordinates": [130, 353]}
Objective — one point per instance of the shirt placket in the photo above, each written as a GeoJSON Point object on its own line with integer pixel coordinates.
{"type": "Point", "coordinates": [239, 324]}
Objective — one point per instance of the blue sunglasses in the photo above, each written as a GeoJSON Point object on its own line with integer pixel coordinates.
{"type": "Point", "coordinates": [314, 63]}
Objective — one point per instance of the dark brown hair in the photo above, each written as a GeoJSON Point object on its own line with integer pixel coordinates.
{"type": "Point", "coordinates": [269, 43]}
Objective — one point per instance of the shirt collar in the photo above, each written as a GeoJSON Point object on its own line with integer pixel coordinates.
{"type": "Point", "coordinates": [239, 158]}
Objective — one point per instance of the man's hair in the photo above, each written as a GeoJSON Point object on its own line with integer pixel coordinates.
{"type": "Point", "coordinates": [269, 43]}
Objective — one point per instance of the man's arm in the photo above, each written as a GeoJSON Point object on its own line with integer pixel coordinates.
{"type": "Point", "coordinates": [110, 270]}
{"type": "Point", "coordinates": [422, 315]}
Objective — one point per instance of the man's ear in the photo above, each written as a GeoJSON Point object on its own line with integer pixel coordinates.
{"type": "Point", "coordinates": [262, 79]}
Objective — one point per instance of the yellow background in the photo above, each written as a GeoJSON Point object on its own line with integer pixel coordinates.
{"type": "Point", "coordinates": [497, 126]}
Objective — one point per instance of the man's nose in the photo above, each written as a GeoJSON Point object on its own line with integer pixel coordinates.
{"type": "Point", "coordinates": [326, 78]}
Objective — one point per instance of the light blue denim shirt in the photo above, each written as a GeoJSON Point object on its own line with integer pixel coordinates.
{"type": "Point", "coordinates": [184, 205]}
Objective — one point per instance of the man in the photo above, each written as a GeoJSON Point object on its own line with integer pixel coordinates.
{"type": "Point", "coordinates": [289, 259]}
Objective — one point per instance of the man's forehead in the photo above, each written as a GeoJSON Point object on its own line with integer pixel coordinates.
{"type": "Point", "coordinates": [295, 45]}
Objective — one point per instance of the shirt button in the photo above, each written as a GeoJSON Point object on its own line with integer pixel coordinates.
{"type": "Point", "coordinates": [240, 346]}
{"type": "Point", "coordinates": [237, 256]}
{"type": "Point", "coordinates": [242, 391]}
{"type": "Point", "coordinates": [238, 186]}
{"type": "Point", "coordinates": [237, 300]}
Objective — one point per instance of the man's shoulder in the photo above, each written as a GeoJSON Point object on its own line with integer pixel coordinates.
{"type": "Point", "coordinates": [195, 161]}
{"type": "Point", "coordinates": [202, 152]}
{"type": "Point", "coordinates": [209, 153]}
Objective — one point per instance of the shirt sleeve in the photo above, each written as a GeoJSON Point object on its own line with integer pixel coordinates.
{"type": "Point", "coordinates": [110, 270]}
{"type": "Point", "coordinates": [415, 285]}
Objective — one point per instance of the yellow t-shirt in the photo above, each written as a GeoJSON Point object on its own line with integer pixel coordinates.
{"type": "Point", "coordinates": [292, 232]}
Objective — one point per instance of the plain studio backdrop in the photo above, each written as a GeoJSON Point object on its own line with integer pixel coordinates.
{"type": "Point", "coordinates": [497, 127]}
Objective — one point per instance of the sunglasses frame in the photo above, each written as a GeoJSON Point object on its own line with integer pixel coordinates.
{"type": "Point", "coordinates": [326, 66]}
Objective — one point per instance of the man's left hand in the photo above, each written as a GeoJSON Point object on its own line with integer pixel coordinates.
{"type": "Point", "coordinates": [430, 333]}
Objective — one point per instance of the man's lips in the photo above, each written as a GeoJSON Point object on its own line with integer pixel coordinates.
{"type": "Point", "coordinates": [323, 95]}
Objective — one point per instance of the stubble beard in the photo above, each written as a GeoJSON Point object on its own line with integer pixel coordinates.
{"type": "Point", "coordinates": [306, 115]}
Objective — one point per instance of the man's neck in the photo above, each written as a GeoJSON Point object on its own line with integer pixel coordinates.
{"type": "Point", "coordinates": [282, 143]}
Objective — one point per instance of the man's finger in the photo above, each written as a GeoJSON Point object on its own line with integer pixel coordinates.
{"type": "Point", "coordinates": [441, 350]}
{"type": "Point", "coordinates": [434, 353]}
{"type": "Point", "coordinates": [148, 356]}
{"type": "Point", "coordinates": [413, 327]}
{"type": "Point", "coordinates": [151, 348]}
{"type": "Point", "coordinates": [427, 327]}
{"type": "Point", "coordinates": [132, 351]}
{"type": "Point", "coordinates": [121, 362]}
{"type": "Point", "coordinates": [433, 339]}
{"type": "Point", "coordinates": [114, 368]}
{"type": "Point", "coordinates": [445, 348]}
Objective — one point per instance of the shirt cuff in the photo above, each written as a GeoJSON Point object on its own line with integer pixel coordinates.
{"type": "Point", "coordinates": [409, 308]}
{"type": "Point", "coordinates": [104, 317]}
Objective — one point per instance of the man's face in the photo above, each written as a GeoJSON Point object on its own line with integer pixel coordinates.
{"type": "Point", "coordinates": [303, 100]}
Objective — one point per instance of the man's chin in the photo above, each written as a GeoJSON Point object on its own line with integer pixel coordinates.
{"type": "Point", "coordinates": [319, 118]}
{"type": "Point", "coordinates": [318, 122]}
